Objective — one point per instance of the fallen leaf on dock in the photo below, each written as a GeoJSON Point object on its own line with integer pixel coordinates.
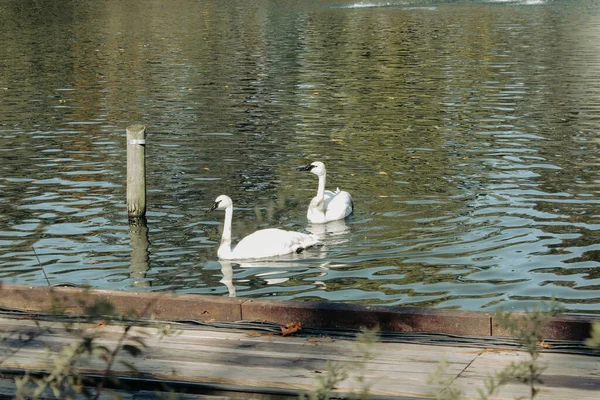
{"type": "Point", "coordinates": [544, 344]}
{"type": "Point", "coordinates": [290, 328]}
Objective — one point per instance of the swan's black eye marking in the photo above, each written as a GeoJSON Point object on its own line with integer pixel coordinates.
{"type": "Point", "coordinates": [215, 206]}
{"type": "Point", "coordinates": [306, 168]}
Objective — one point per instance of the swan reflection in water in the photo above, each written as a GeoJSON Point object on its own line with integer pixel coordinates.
{"type": "Point", "coordinates": [331, 233]}
{"type": "Point", "coordinates": [270, 273]}
{"type": "Point", "coordinates": [227, 280]}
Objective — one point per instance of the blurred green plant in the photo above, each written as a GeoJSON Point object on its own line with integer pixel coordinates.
{"type": "Point", "coordinates": [333, 375]}
{"type": "Point", "coordinates": [528, 329]}
{"type": "Point", "coordinates": [336, 373]}
{"type": "Point", "coordinates": [64, 380]}
{"type": "Point", "coordinates": [594, 339]}
{"type": "Point", "coordinates": [443, 380]}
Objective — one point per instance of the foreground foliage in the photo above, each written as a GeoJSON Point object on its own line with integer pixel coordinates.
{"type": "Point", "coordinates": [528, 329]}
{"type": "Point", "coordinates": [64, 379]}
{"type": "Point", "coordinates": [594, 339]}
{"type": "Point", "coordinates": [336, 373]}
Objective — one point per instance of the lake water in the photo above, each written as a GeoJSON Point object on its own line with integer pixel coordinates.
{"type": "Point", "coordinates": [468, 133]}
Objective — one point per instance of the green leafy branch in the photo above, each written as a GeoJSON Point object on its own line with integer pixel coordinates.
{"type": "Point", "coordinates": [65, 380]}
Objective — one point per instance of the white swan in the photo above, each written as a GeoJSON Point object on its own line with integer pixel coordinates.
{"type": "Point", "coordinates": [260, 244]}
{"type": "Point", "coordinates": [327, 206]}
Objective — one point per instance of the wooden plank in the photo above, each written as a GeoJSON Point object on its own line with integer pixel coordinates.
{"type": "Point", "coordinates": [294, 347]}
{"type": "Point", "coordinates": [271, 362]}
{"type": "Point", "coordinates": [295, 363]}
{"type": "Point", "coordinates": [217, 346]}
{"type": "Point", "coordinates": [8, 390]}
{"type": "Point", "coordinates": [566, 376]}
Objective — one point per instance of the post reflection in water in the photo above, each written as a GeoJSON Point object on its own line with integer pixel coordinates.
{"type": "Point", "coordinates": [138, 240]}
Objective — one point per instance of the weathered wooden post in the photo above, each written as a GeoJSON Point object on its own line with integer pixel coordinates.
{"type": "Point", "coordinates": [136, 171]}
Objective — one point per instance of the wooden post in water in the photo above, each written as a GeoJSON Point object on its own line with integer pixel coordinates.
{"type": "Point", "coordinates": [136, 171]}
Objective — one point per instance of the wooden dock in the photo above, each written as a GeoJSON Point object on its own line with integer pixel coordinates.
{"type": "Point", "coordinates": [220, 358]}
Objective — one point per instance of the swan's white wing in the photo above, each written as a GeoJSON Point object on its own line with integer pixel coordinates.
{"type": "Point", "coordinates": [339, 206]}
{"type": "Point", "coordinates": [329, 195]}
{"type": "Point", "coordinates": [272, 242]}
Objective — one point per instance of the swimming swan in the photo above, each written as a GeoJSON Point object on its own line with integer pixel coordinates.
{"type": "Point", "coordinates": [260, 244]}
{"type": "Point", "coordinates": [327, 206]}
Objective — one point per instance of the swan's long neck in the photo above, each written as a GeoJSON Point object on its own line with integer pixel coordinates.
{"type": "Point", "coordinates": [321, 193]}
{"type": "Point", "coordinates": [225, 246]}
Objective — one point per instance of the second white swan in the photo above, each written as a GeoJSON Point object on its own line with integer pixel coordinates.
{"type": "Point", "coordinates": [327, 206]}
{"type": "Point", "coordinates": [260, 244]}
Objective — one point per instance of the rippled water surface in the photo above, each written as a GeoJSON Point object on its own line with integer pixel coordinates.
{"type": "Point", "coordinates": [468, 133]}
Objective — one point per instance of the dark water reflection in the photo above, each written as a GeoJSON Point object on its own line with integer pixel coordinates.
{"type": "Point", "coordinates": [467, 133]}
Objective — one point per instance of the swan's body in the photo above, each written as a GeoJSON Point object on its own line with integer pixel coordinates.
{"type": "Point", "coordinates": [327, 206]}
{"type": "Point", "coordinates": [260, 244]}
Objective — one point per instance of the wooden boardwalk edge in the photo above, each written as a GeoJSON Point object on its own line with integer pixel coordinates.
{"type": "Point", "coordinates": [214, 364]}
{"type": "Point", "coordinates": [171, 307]}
